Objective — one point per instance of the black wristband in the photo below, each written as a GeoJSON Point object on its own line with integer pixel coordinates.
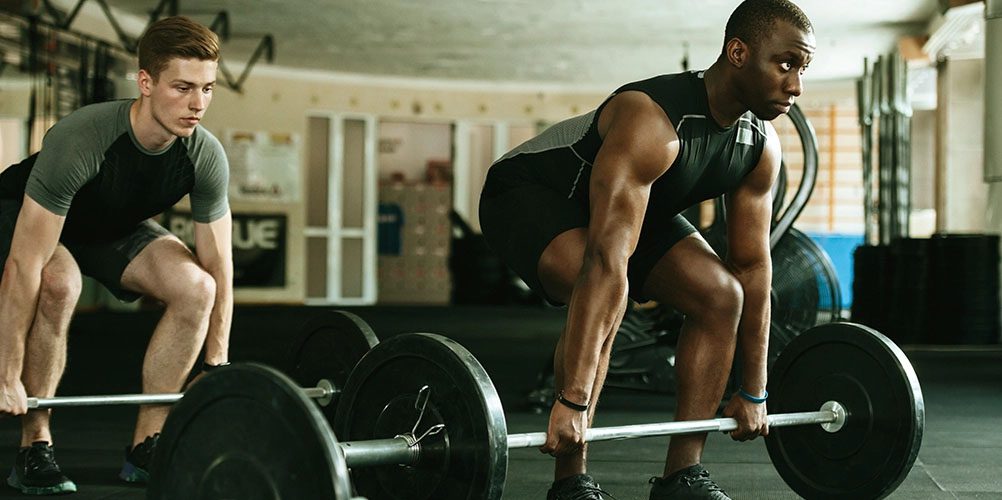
{"type": "Point", "coordinates": [570, 404]}
{"type": "Point", "coordinates": [206, 367]}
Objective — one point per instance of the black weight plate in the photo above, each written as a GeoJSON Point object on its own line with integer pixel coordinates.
{"type": "Point", "coordinates": [246, 431]}
{"type": "Point", "coordinates": [468, 460]}
{"type": "Point", "coordinates": [870, 376]}
{"type": "Point", "coordinates": [327, 347]}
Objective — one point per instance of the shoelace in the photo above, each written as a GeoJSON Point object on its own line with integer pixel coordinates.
{"type": "Point", "coordinates": [702, 476]}
{"type": "Point", "coordinates": [40, 459]}
{"type": "Point", "coordinates": [589, 492]}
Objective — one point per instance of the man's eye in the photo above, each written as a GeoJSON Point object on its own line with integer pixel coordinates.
{"type": "Point", "coordinates": [786, 66]}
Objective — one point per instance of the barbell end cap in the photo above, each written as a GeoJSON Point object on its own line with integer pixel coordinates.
{"type": "Point", "coordinates": [329, 392]}
{"type": "Point", "coordinates": [840, 415]}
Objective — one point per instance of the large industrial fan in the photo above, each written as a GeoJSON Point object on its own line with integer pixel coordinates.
{"type": "Point", "coordinates": [805, 289]}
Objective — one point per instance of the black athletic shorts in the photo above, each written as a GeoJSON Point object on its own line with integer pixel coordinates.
{"type": "Point", "coordinates": [520, 222]}
{"type": "Point", "coordinates": [103, 261]}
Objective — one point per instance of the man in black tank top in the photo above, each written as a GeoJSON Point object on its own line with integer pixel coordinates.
{"type": "Point", "coordinates": [587, 214]}
{"type": "Point", "coordinates": [82, 205]}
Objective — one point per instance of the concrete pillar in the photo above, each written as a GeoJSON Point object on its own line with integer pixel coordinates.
{"type": "Point", "coordinates": [993, 115]}
{"type": "Point", "coordinates": [961, 192]}
{"type": "Point", "coordinates": [993, 91]}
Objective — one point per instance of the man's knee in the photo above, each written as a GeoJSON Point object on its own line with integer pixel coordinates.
{"type": "Point", "coordinates": [195, 292]}
{"type": "Point", "coordinates": [59, 288]}
{"type": "Point", "coordinates": [560, 263]}
{"type": "Point", "coordinates": [721, 300]}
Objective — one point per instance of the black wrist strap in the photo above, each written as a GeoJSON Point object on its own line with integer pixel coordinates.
{"type": "Point", "coordinates": [570, 404]}
{"type": "Point", "coordinates": [206, 367]}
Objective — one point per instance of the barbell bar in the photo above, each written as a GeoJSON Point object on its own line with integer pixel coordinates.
{"type": "Point", "coordinates": [831, 416]}
{"type": "Point", "coordinates": [324, 392]}
{"type": "Point", "coordinates": [325, 348]}
{"type": "Point", "coordinates": [406, 450]}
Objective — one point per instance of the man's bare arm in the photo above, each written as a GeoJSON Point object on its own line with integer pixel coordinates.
{"type": "Point", "coordinates": [749, 217]}
{"type": "Point", "coordinates": [639, 145]}
{"type": "Point", "coordinates": [214, 248]}
{"type": "Point", "coordinates": [35, 238]}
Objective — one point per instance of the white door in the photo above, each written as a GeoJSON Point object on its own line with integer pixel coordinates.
{"type": "Point", "coordinates": [341, 209]}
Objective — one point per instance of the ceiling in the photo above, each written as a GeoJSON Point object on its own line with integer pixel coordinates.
{"type": "Point", "coordinates": [570, 42]}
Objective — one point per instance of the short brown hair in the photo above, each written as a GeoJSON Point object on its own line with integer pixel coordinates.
{"type": "Point", "coordinates": [175, 37]}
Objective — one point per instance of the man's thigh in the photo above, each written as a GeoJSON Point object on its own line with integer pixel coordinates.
{"type": "Point", "coordinates": [687, 275]}
{"type": "Point", "coordinates": [107, 262]}
{"type": "Point", "coordinates": [658, 240]}
{"type": "Point", "coordinates": [523, 222]}
{"type": "Point", "coordinates": [164, 269]}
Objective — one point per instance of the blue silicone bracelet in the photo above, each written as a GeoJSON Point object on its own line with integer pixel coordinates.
{"type": "Point", "coordinates": [753, 399]}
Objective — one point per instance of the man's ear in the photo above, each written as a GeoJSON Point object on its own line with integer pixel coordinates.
{"type": "Point", "coordinates": [145, 82]}
{"type": "Point", "coordinates": [736, 52]}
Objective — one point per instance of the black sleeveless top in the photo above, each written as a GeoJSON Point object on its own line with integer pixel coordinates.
{"type": "Point", "coordinates": [712, 160]}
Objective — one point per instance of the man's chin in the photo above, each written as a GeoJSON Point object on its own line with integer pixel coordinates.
{"type": "Point", "coordinates": [184, 132]}
{"type": "Point", "coordinates": [769, 115]}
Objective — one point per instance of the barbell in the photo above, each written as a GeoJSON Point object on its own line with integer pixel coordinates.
{"type": "Point", "coordinates": [324, 393]}
{"type": "Point", "coordinates": [323, 352]}
{"type": "Point", "coordinates": [419, 418]}
{"type": "Point", "coordinates": [405, 449]}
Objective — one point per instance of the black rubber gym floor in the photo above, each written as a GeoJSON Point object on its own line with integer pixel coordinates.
{"type": "Point", "coordinates": [960, 456]}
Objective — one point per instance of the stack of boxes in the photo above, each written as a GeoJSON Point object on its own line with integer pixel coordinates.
{"type": "Point", "coordinates": [419, 274]}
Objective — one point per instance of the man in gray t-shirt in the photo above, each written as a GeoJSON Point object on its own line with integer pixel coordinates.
{"type": "Point", "coordinates": [83, 205]}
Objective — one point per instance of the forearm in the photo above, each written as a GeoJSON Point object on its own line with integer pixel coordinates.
{"type": "Point", "coordinates": [596, 306]}
{"type": "Point", "coordinates": [18, 300]}
{"type": "Point", "coordinates": [753, 331]}
{"type": "Point", "coordinates": [217, 341]}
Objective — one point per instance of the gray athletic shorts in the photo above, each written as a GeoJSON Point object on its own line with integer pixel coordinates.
{"type": "Point", "coordinates": [520, 222]}
{"type": "Point", "coordinates": [103, 261]}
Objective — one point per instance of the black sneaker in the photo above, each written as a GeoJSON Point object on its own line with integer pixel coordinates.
{"type": "Point", "coordinates": [36, 472]}
{"type": "Point", "coordinates": [579, 487]}
{"type": "Point", "coordinates": [137, 460]}
{"type": "Point", "coordinates": [690, 483]}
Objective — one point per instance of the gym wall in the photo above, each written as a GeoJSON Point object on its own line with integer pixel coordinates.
{"type": "Point", "coordinates": [280, 101]}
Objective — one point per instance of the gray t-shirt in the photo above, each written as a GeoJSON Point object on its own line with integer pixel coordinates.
{"type": "Point", "coordinates": [92, 170]}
